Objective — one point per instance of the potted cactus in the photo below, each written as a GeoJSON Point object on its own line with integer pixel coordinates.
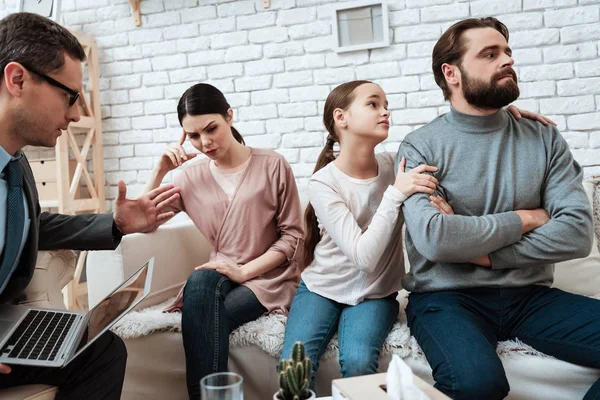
{"type": "Point", "coordinates": [294, 376]}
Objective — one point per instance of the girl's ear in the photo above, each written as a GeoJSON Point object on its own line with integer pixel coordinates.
{"type": "Point", "coordinates": [339, 117]}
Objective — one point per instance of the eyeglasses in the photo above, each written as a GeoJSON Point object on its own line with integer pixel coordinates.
{"type": "Point", "coordinates": [73, 94]}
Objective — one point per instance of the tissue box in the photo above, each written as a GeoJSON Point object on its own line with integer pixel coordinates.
{"type": "Point", "coordinates": [370, 387]}
{"type": "Point", "coordinates": [359, 388]}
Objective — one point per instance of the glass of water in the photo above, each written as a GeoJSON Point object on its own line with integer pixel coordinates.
{"type": "Point", "coordinates": [222, 386]}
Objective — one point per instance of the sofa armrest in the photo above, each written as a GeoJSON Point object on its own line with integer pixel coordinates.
{"type": "Point", "coordinates": [53, 271]}
{"type": "Point", "coordinates": [176, 247]}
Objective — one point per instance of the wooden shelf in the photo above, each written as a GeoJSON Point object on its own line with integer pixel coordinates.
{"type": "Point", "coordinates": [85, 123]}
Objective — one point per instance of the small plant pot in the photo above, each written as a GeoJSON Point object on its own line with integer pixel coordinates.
{"type": "Point", "coordinates": [312, 396]}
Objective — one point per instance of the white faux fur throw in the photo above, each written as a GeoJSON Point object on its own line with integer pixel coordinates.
{"type": "Point", "coordinates": [267, 333]}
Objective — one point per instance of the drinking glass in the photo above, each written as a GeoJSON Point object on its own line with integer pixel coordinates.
{"type": "Point", "coordinates": [222, 386]}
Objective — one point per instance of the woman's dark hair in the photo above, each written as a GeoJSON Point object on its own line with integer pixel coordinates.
{"type": "Point", "coordinates": [451, 46]}
{"type": "Point", "coordinates": [201, 99]}
{"type": "Point", "coordinates": [36, 42]}
{"type": "Point", "coordinates": [341, 97]}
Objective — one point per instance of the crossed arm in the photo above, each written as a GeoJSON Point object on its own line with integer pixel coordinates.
{"type": "Point", "coordinates": [507, 240]}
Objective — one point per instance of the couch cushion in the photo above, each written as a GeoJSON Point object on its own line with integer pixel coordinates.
{"type": "Point", "coordinates": [267, 333]}
{"type": "Point", "coordinates": [581, 276]}
{"type": "Point", "coordinates": [254, 352]}
{"type": "Point", "coordinates": [53, 271]}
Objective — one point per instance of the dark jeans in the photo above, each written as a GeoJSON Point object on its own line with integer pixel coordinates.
{"type": "Point", "coordinates": [213, 306]}
{"type": "Point", "coordinates": [362, 330]}
{"type": "Point", "coordinates": [97, 373]}
{"type": "Point", "coordinates": [458, 330]}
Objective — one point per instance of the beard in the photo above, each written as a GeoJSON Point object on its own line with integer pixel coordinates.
{"type": "Point", "coordinates": [492, 94]}
{"type": "Point", "coordinates": [32, 130]}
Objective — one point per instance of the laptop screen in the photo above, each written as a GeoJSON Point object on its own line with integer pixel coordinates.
{"type": "Point", "coordinates": [118, 303]}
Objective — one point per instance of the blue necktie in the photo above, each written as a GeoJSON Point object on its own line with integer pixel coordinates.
{"type": "Point", "coordinates": [15, 221]}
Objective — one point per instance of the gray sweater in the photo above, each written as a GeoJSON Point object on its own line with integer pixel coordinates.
{"type": "Point", "coordinates": [488, 167]}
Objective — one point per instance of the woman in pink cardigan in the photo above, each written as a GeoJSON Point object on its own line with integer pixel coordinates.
{"type": "Point", "coordinates": [245, 202]}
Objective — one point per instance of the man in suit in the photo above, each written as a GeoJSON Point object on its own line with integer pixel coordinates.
{"type": "Point", "coordinates": [40, 82]}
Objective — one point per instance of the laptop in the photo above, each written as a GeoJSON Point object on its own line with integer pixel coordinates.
{"type": "Point", "coordinates": [53, 338]}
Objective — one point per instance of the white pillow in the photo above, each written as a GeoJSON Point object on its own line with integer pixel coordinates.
{"type": "Point", "coordinates": [580, 276]}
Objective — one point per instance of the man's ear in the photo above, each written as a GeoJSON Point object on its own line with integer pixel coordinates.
{"type": "Point", "coordinates": [451, 74]}
{"type": "Point", "coordinates": [14, 78]}
{"type": "Point", "coordinates": [339, 117]}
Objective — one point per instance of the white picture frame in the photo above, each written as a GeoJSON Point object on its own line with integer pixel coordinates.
{"type": "Point", "coordinates": [47, 8]}
{"type": "Point", "coordinates": [360, 25]}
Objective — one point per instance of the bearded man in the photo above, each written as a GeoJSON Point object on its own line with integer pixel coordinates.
{"type": "Point", "coordinates": [509, 205]}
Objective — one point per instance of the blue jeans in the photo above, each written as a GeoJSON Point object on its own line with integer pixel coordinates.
{"type": "Point", "coordinates": [213, 306]}
{"type": "Point", "coordinates": [458, 331]}
{"type": "Point", "coordinates": [362, 329]}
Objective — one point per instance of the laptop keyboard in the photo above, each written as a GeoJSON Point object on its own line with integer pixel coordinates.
{"type": "Point", "coordinates": [39, 336]}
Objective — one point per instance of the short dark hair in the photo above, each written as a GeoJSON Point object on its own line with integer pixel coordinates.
{"type": "Point", "coordinates": [37, 42]}
{"type": "Point", "coordinates": [450, 48]}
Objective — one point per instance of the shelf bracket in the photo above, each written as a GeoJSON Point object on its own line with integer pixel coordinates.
{"type": "Point", "coordinates": [135, 10]}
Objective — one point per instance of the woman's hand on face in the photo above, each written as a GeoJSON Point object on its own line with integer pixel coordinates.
{"type": "Point", "coordinates": [441, 204]}
{"type": "Point", "coordinates": [174, 156]}
{"type": "Point", "coordinates": [227, 268]}
{"type": "Point", "coordinates": [518, 114]}
{"type": "Point", "coordinates": [416, 180]}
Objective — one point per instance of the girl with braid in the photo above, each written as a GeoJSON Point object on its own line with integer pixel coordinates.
{"type": "Point", "coordinates": [353, 245]}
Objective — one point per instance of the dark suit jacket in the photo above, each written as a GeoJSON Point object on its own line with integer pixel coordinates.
{"type": "Point", "coordinates": [55, 231]}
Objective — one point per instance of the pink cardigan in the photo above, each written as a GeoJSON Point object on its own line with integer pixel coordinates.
{"type": "Point", "coordinates": [264, 214]}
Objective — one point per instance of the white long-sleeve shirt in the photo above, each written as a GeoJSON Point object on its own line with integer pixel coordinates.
{"type": "Point", "coordinates": [360, 254]}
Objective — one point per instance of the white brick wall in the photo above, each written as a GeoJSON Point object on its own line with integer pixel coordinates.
{"type": "Point", "coordinates": [276, 68]}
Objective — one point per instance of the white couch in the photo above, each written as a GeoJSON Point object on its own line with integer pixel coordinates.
{"type": "Point", "coordinates": [156, 367]}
